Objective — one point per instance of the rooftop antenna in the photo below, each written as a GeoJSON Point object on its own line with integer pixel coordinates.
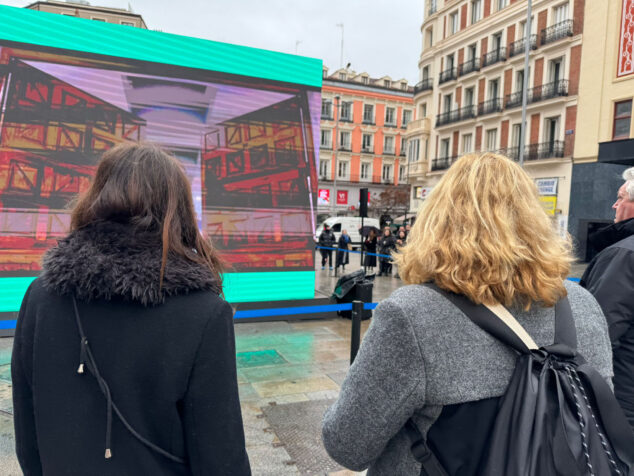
{"type": "Point", "coordinates": [297, 43]}
{"type": "Point", "coordinates": [340, 25]}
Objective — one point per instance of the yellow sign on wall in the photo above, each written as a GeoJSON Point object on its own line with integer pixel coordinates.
{"type": "Point", "coordinates": [549, 204]}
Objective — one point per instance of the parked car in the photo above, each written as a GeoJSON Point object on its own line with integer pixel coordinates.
{"type": "Point", "coordinates": [350, 224]}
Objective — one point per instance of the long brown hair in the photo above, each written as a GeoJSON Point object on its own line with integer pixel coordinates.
{"type": "Point", "coordinates": [141, 184]}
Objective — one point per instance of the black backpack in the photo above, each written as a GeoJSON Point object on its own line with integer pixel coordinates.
{"type": "Point", "coordinates": [558, 416]}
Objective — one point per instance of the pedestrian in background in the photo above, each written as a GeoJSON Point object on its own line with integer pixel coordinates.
{"type": "Point", "coordinates": [369, 245]}
{"type": "Point", "coordinates": [387, 244]}
{"type": "Point", "coordinates": [482, 233]}
{"type": "Point", "coordinates": [343, 256]}
{"type": "Point", "coordinates": [401, 239]}
{"type": "Point", "coordinates": [327, 242]}
{"type": "Point", "coordinates": [610, 278]}
{"type": "Point", "coordinates": [124, 353]}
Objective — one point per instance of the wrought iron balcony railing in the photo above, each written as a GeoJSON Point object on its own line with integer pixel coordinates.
{"type": "Point", "coordinates": [469, 66]}
{"type": "Point", "coordinates": [345, 148]}
{"type": "Point", "coordinates": [544, 150]}
{"type": "Point", "coordinates": [467, 112]}
{"type": "Point", "coordinates": [389, 152]}
{"type": "Point", "coordinates": [424, 85]}
{"type": "Point", "coordinates": [443, 163]}
{"type": "Point", "coordinates": [517, 47]}
{"type": "Point", "coordinates": [448, 75]}
{"type": "Point", "coordinates": [490, 106]}
{"type": "Point", "coordinates": [557, 32]}
{"type": "Point", "coordinates": [538, 93]}
{"type": "Point", "coordinates": [369, 122]}
{"type": "Point", "coordinates": [367, 150]}
{"type": "Point", "coordinates": [493, 57]}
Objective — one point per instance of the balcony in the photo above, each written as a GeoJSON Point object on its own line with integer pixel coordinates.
{"type": "Point", "coordinates": [424, 85]}
{"type": "Point", "coordinates": [345, 119]}
{"type": "Point", "coordinates": [402, 152]}
{"type": "Point", "coordinates": [345, 148]}
{"type": "Point", "coordinates": [325, 146]}
{"type": "Point", "coordinates": [443, 163]}
{"type": "Point", "coordinates": [517, 47]}
{"type": "Point", "coordinates": [326, 115]}
{"type": "Point", "coordinates": [490, 106]}
{"type": "Point", "coordinates": [449, 117]}
{"type": "Point", "coordinates": [368, 121]}
{"type": "Point", "coordinates": [419, 126]}
{"type": "Point", "coordinates": [557, 32]}
{"type": "Point", "coordinates": [389, 151]}
{"type": "Point", "coordinates": [448, 75]}
{"type": "Point", "coordinates": [469, 66]}
{"type": "Point", "coordinates": [389, 124]}
{"type": "Point", "coordinates": [367, 150]}
{"type": "Point", "coordinates": [493, 57]}
{"type": "Point", "coordinates": [538, 93]}
{"type": "Point", "coordinates": [416, 169]}
{"type": "Point", "coordinates": [545, 150]}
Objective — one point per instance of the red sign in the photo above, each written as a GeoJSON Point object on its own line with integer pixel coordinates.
{"type": "Point", "coordinates": [323, 198]}
{"type": "Point", "coordinates": [626, 45]}
{"type": "Point", "coordinates": [342, 197]}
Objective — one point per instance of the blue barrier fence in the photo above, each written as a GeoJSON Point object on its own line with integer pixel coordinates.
{"type": "Point", "coordinates": [353, 251]}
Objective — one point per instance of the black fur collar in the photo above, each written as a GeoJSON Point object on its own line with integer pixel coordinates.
{"type": "Point", "coordinates": [108, 259]}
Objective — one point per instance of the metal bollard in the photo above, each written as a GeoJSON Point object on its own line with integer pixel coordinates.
{"type": "Point", "coordinates": [355, 337]}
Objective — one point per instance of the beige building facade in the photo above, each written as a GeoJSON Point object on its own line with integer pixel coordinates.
{"type": "Point", "coordinates": [470, 92]}
{"type": "Point", "coordinates": [83, 9]}
{"type": "Point", "coordinates": [604, 143]}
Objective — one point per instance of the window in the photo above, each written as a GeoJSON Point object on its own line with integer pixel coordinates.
{"type": "Point", "coordinates": [325, 73]}
{"type": "Point", "coordinates": [326, 139]}
{"type": "Point", "coordinates": [366, 144]}
{"type": "Point", "coordinates": [450, 62]}
{"type": "Point", "coordinates": [502, 4]}
{"type": "Point", "coordinates": [429, 38]}
{"type": "Point", "coordinates": [366, 170]}
{"type": "Point", "coordinates": [342, 169]}
{"type": "Point", "coordinates": [368, 114]}
{"type": "Point", "coordinates": [324, 169]}
{"type": "Point", "coordinates": [497, 42]}
{"type": "Point", "coordinates": [519, 80]}
{"type": "Point", "coordinates": [494, 88]}
{"type": "Point", "coordinates": [552, 130]}
{"type": "Point", "coordinates": [523, 26]}
{"type": "Point", "coordinates": [366, 80]}
{"type": "Point", "coordinates": [423, 110]}
{"type": "Point", "coordinates": [390, 117]}
{"type": "Point", "coordinates": [387, 83]}
{"type": "Point", "coordinates": [469, 96]}
{"type": "Point", "coordinates": [404, 86]}
{"type": "Point", "coordinates": [444, 148]}
{"type": "Point", "coordinates": [127, 23]}
{"type": "Point", "coordinates": [453, 23]}
{"type": "Point", "coordinates": [472, 52]}
{"type": "Point", "coordinates": [515, 135]}
{"type": "Point", "coordinates": [425, 73]}
{"type": "Point", "coordinates": [346, 111]}
{"type": "Point", "coordinates": [476, 11]}
{"type": "Point", "coordinates": [344, 140]}
{"type": "Point", "coordinates": [622, 120]}
{"type": "Point", "coordinates": [561, 13]}
{"type": "Point", "coordinates": [326, 109]}
{"type": "Point", "coordinates": [342, 76]}
{"type": "Point", "coordinates": [413, 150]}
{"type": "Point", "coordinates": [98, 19]}
{"type": "Point", "coordinates": [467, 143]}
{"type": "Point", "coordinates": [387, 172]}
{"type": "Point", "coordinates": [555, 70]}
{"type": "Point", "coordinates": [401, 174]}
{"type": "Point", "coordinates": [407, 117]}
{"type": "Point", "coordinates": [447, 103]}
{"type": "Point", "coordinates": [403, 145]}
{"type": "Point", "coordinates": [492, 140]}
{"type": "Point", "coordinates": [388, 145]}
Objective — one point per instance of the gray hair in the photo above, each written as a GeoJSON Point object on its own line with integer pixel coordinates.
{"type": "Point", "coordinates": [628, 176]}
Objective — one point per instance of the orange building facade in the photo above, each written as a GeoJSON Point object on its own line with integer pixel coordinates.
{"type": "Point", "coordinates": [362, 143]}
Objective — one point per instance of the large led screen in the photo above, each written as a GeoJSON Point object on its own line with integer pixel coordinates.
{"type": "Point", "coordinates": [246, 143]}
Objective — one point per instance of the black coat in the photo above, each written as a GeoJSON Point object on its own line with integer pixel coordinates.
{"type": "Point", "coordinates": [369, 245]}
{"type": "Point", "coordinates": [610, 278]}
{"type": "Point", "coordinates": [327, 239]}
{"type": "Point", "coordinates": [387, 244]}
{"type": "Point", "coordinates": [167, 355]}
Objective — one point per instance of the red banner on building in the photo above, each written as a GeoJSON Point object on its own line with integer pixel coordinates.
{"type": "Point", "coordinates": [626, 40]}
{"type": "Point", "coordinates": [323, 197]}
{"type": "Point", "coordinates": [342, 197]}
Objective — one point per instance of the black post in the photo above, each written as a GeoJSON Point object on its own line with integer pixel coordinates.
{"type": "Point", "coordinates": [361, 247]}
{"type": "Point", "coordinates": [355, 338]}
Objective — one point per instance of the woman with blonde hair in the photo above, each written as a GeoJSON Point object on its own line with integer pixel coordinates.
{"type": "Point", "coordinates": [481, 234]}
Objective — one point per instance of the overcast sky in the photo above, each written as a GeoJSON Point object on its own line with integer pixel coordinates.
{"type": "Point", "coordinates": [381, 37]}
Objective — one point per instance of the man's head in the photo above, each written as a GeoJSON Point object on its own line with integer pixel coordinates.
{"type": "Point", "coordinates": [327, 227]}
{"type": "Point", "coordinates": [624, 205]}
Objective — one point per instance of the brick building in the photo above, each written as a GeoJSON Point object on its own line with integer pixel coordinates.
{"type": "Point", "coordinates": [363, 120]}
{"type": "Point", "coordinates": [470, 92]}
{"type": "Point", "coordinates": [83, 9]}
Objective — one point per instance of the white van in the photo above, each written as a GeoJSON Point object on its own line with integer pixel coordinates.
{"type": "Point", "coordinates": [350, 224]}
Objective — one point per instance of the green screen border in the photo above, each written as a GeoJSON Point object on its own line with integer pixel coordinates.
{"type": "Point", "coordinates": [70, 33]}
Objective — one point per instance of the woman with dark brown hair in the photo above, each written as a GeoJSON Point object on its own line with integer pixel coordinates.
{"type": "Point", "coordinates": [124, 353]}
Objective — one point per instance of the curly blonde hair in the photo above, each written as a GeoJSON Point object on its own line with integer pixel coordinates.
{"type": "Point", "coordinates": [483, 232]}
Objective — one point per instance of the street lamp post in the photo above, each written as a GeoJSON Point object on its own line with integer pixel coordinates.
{"type": "Point", "coordinates": [527, 39]}
{"type": "Point", "coordinates": [335, 146]}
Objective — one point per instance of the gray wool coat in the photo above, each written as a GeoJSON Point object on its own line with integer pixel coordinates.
{"type": "Point", "coordinates": [421, 353]}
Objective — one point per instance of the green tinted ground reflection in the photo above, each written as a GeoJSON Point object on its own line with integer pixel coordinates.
{"type": "Point", "coordinates": [258, 358]}
{"type": "Point", "coordinates": [261, 350]}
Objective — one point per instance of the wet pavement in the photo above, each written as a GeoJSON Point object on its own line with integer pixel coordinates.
{"type": "Point", "coordinates": [279, 363]}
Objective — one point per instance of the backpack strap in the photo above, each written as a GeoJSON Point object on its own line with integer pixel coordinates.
{"type": "Point", "coordinates": [486, 319]}
{"type": "Point", "coordinates": [565, 331]}
{"type": "Point", "coordinates": [430, 466]}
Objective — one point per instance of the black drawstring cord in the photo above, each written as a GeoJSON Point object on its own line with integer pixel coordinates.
{"type": "Point", "coordinates": [86, 360]}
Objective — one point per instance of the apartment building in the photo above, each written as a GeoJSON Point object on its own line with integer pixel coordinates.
{"type": "Point", "coordinates": [363, 120]}
{"type": "Point", "coordinates": [470, 92]}
{"type": "Point", "coordinates": [604, 143]}
{"type": "Point", "coordinates": [83, 9]}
